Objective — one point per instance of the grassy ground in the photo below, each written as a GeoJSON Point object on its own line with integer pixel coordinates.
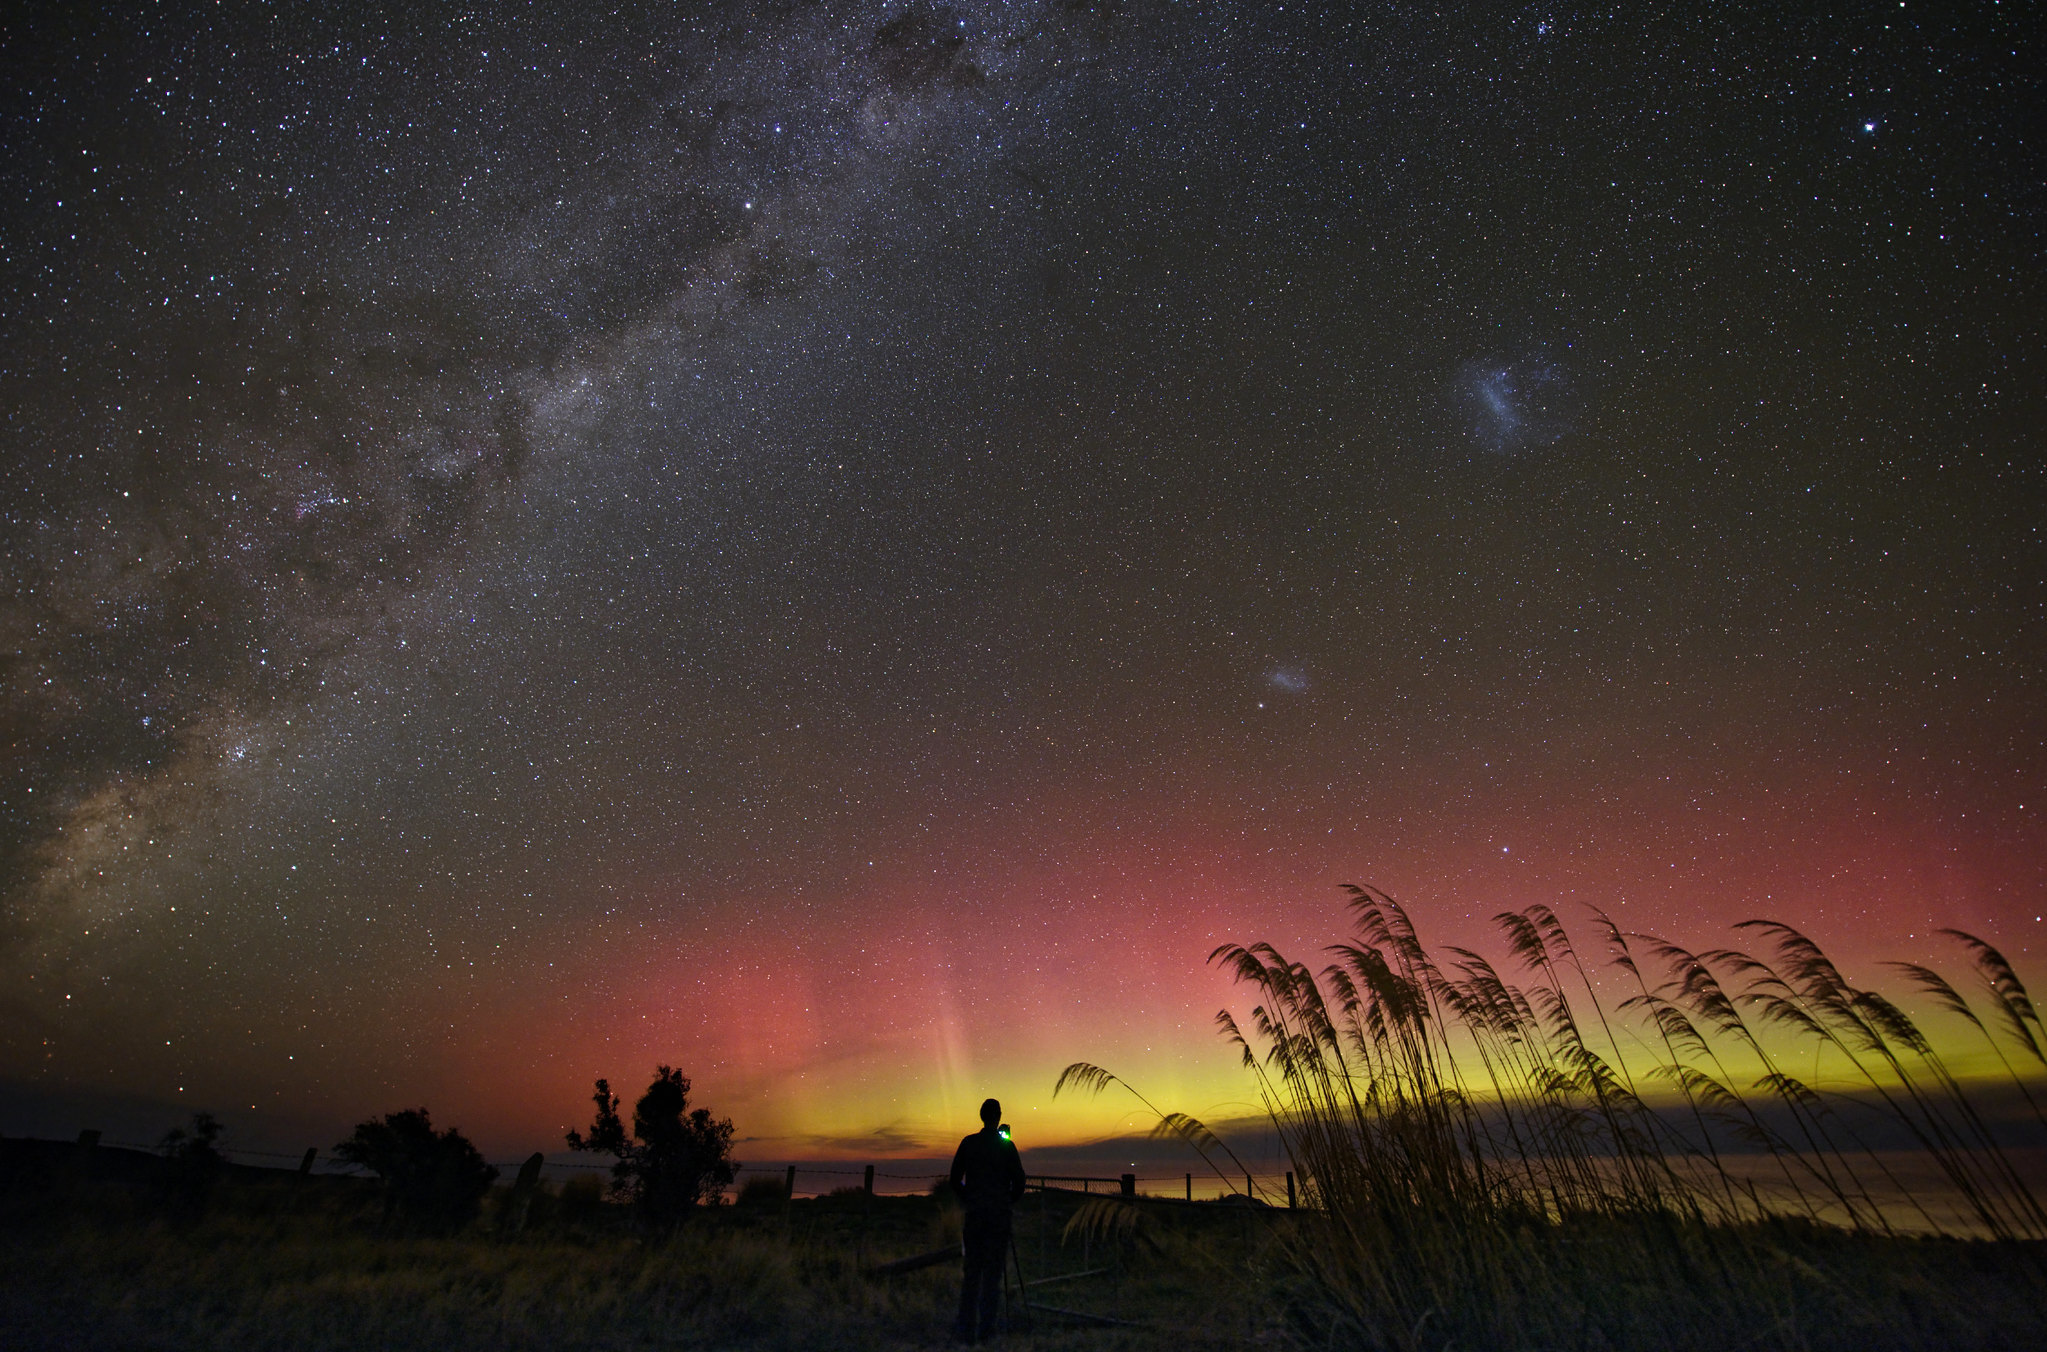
{"type": "Point", "coordinates": [314, 1265]}
{"type": "Point", "coordinates": [278, 1265]}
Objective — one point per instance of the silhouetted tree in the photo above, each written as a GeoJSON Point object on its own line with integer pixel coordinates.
{"type": "Point", "coordinates": [195, 1147]}
{"type": "Point", "coordinates": [192, 1163]}
{"type": "Point", "coordinates": [433, 1178]}
{"type": "Point", "coordinates": [676, 1156]}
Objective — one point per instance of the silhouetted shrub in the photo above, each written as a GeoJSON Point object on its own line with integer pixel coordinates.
{"type": "Point", "coordinates": [433, 1178]}
{"type": "Point", "coordinates": [676, 1156]}
{"type": "Point", "coordinates": [581, 1201]}
{"type": "Point", "coordinates": [763, 1190]}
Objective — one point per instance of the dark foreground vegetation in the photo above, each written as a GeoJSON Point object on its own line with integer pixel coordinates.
{"type": "Point", "coordinates": [275, 1261]}
{"type": "Point", "coordinates": [1547, 1161]}
{"type": "Point", "coordinates": [278, 1261]}
{"type": "Point", "coordinates": [1637, 1145]}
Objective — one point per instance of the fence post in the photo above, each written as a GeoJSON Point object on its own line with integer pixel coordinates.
{"type": "Point", "coordinates": [1247, 1185]}
{"type": "Point", "coordinates": [522, 1190]}
{"type": "Point", "coordinates": [789, 1188]}
{"type": "Point", "coordinates": [866, 1211]}
{"type": "Point", "coordinates": [87, 1153]}
{"type": "Point", "coordinates": [306, 1164]}
{"type": "Point", "coordinates": [1190, 1187]}
{"type": "Point", "coordinates": [1130, 1185]}
{"type": "Point", "coordinates": [1289, 1190]}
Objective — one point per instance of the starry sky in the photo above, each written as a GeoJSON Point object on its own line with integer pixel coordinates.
{"type": "Point", "coordinates": [845, 547]}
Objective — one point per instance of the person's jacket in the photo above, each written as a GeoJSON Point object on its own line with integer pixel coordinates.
{"type": "Point", "coordinates": [987, 1173]}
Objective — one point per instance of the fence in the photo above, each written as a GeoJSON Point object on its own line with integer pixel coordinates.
{"type": "Point", "coordinates": [1191, 1187]}
{"type": "Point", "coordinates": [1188, 1187]}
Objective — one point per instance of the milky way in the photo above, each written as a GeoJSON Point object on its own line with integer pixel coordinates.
{"type": "Point", "coordinates": [846, 547]}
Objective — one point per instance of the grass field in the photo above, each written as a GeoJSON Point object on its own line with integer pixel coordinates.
{"type": "Point", "coordinates": [282, 1264]}
{"type": "Point", "coordinates": [314, 1264]}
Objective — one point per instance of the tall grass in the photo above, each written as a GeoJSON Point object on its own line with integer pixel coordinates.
{"type": "Point", "coordinates": [1521, 1161]}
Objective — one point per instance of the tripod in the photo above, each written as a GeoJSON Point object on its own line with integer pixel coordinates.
{"type": "Point", "coordinates": [1023, 1300]}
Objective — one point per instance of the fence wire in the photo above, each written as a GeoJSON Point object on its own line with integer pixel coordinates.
{"type": "Point", "coordinates": [326, 1163]}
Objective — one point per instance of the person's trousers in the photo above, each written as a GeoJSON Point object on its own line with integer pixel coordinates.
{"type": "Point", "coordinates": [987, 1249]}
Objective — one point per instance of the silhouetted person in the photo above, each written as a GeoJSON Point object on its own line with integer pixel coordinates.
{"type": "Point", "coordinates": [988, 1175]}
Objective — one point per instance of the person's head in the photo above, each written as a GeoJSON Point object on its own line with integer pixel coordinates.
{"type": "Point", "coordinates": [991, 1112]}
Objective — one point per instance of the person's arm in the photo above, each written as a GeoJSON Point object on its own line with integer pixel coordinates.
{"type": "Point", "coordinates": [959, 1169]}
{"type": "Point", "coordinates": [1018, 1180]}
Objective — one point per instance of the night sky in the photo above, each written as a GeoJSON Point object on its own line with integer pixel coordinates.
{"type": "Point", "coordinates": [846, 547]}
